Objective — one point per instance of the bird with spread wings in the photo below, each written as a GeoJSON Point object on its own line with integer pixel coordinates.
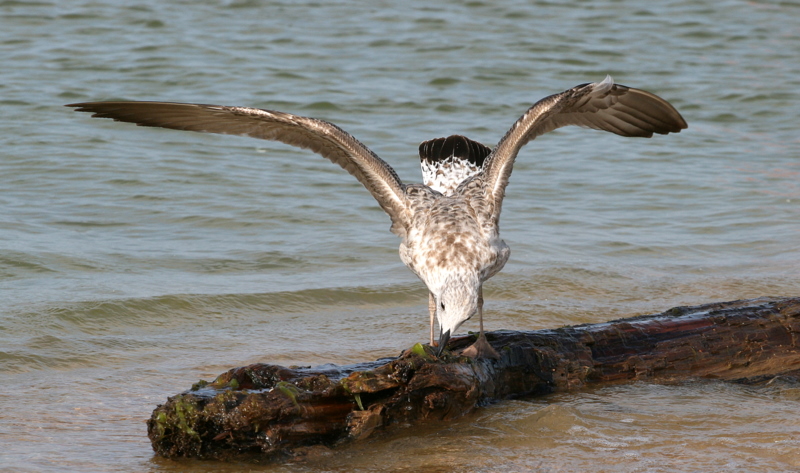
{"type": "Point", "coordinates": [449, 225]}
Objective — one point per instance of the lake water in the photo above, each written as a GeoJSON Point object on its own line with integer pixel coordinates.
{"type": "Point", "coordinates": [135, 261]}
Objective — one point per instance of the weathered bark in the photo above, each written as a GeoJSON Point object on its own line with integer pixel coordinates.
{"type": "Point", "coordinates": [269, 411]}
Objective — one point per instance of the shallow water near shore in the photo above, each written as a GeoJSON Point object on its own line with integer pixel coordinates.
{"type": "Point", "coordinates": [135, 261]}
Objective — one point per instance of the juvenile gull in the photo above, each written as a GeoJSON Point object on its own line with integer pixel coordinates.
{"type": "Point", "coordinates": [449, 224]}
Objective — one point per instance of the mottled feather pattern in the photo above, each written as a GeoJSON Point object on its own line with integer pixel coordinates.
{"type": "Point", "coordinates": [452, 235]}
{"type": "Point", "coordinates": [450, 224]}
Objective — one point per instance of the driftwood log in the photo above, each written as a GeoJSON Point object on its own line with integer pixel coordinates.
{"type": "Point", "coordinates": [270, 411]}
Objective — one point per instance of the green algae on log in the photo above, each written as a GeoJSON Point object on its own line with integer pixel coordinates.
{"type": "Point", "coordinates": [272, 412]}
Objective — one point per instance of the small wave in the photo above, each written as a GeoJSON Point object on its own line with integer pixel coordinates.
{"type": "Point", "coordinates": [102, 332]}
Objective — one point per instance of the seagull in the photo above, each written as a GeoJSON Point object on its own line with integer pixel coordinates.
{"type": "Point", "coordinates": [449, 225]}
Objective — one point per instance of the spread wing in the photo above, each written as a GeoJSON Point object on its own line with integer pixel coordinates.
{"type": "Point", "coordinates": [602, 105]}
{"type": "Point", "coordinates": [319, 136]}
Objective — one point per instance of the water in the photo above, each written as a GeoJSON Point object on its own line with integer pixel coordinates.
{"type": "Point", "coordinates": [134, 262]}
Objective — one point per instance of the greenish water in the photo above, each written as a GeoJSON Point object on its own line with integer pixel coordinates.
{"type": "Point", "coordinates": [134, 262]}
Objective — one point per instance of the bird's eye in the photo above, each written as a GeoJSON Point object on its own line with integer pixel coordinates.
{"type": "Point", "coordinates": [441, 305]}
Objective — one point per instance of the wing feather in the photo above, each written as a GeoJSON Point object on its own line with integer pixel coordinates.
{"type": "Point", "coordinates": [319, 136]}
{"type": "Point", "coordinates": [602, 105]}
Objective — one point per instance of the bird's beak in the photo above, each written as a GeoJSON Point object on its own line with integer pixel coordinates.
{"type": "Point", "coordinates": [443, 339]}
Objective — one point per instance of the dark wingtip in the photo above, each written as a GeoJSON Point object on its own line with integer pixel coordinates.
{"type": "Point", "coordinates": [89, 107]}
{"type": "Point", "coordinates": [455, 145]}
{"type": "Point", "coordinates": [79, 107]}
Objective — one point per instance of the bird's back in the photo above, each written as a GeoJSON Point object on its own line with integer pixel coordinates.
{"type": "Point", "coordinates": [452, 233]}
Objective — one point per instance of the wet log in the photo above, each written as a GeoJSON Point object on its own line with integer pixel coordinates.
{"type": "Point", "coordinates": [270, 411]}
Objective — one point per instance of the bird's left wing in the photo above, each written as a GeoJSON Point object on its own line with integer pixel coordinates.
{"type": "Point", "coordinates": [319, 136]}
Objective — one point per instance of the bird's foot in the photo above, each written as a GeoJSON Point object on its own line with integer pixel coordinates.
{"type": "Point", "coordinates": [481, 349]}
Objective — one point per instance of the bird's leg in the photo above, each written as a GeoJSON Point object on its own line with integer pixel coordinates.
{"type": "Point", "coordinates": [481, 347]}
{"type": "Point", "coordinates": [432, 310]}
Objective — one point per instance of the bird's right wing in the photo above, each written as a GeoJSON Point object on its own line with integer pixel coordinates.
{"type": "Point", "coordinates": [319, 136]}
{"type": "Point", "coordinates": [602, 105]}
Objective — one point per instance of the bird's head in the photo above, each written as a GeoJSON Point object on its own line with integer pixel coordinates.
{"type": "Point", "coordinates": [456, 303]}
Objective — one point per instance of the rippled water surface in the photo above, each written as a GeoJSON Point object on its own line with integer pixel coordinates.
{"type": "Point", "coordinates": [134, 262]}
